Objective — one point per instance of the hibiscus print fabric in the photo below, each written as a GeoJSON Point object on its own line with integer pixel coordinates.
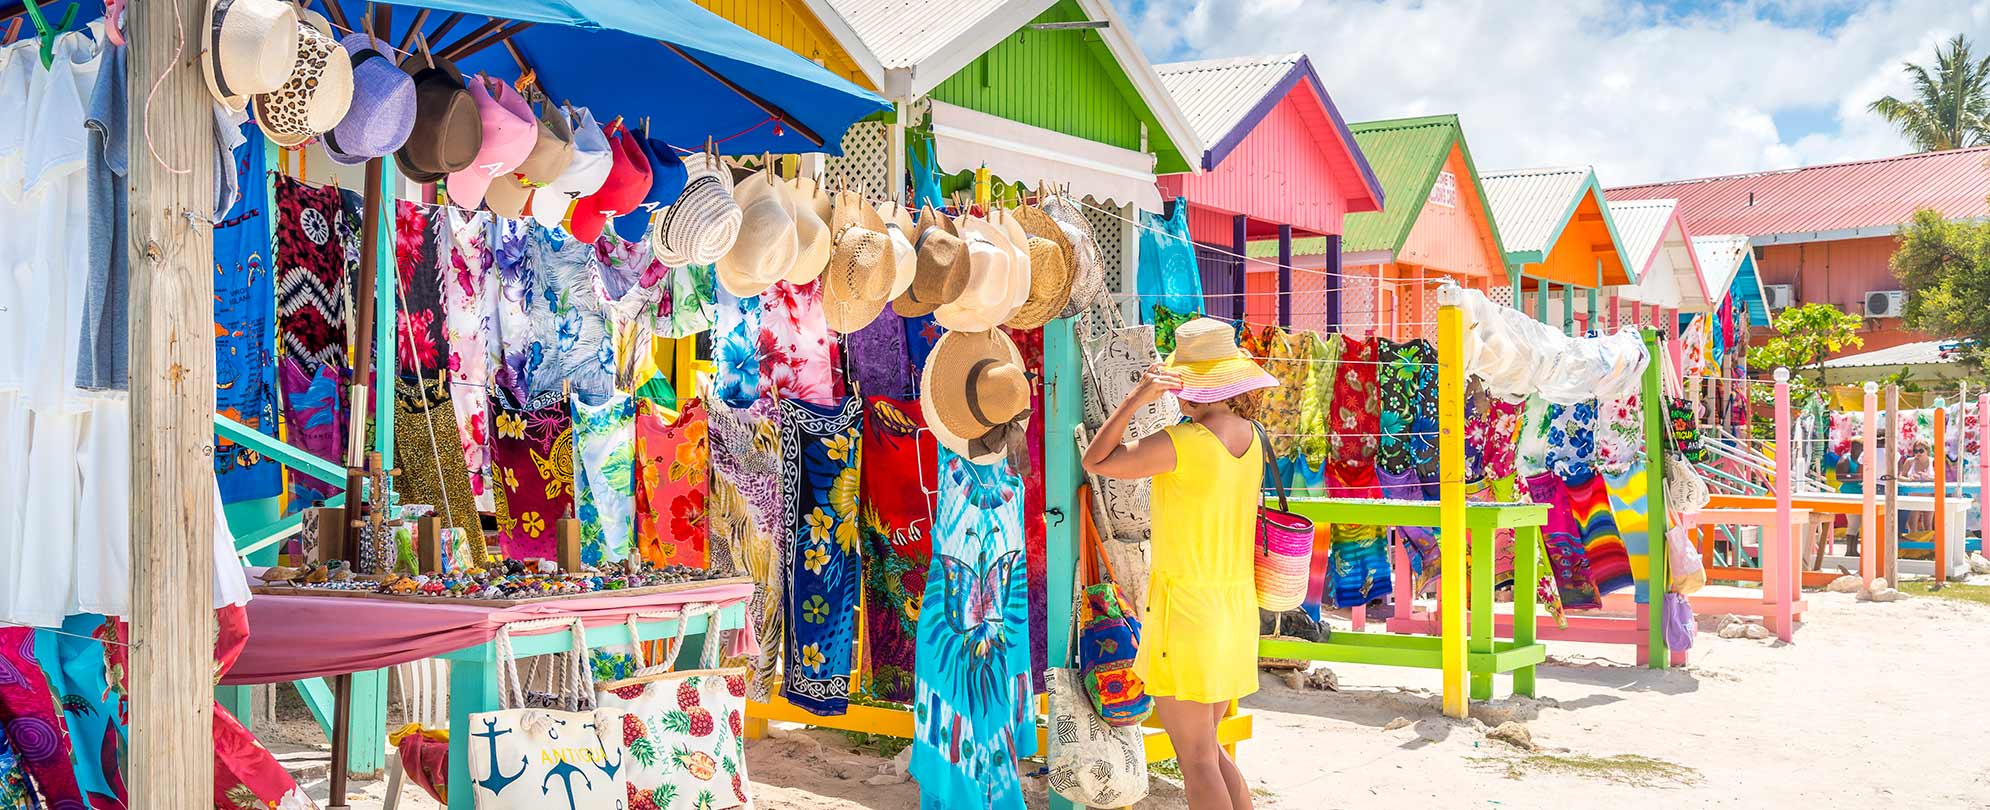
{"type": "Point", "coordinates": [671, 457]}
{"type": "Point", "coordinates": [1036, 530]}
{"type": "Point", "coordinates": [736, 350]}
{"type": "Point", "coordinates": [1620, 434]}
{"type": "Point", "coordinates": [605, 482]}
{"type": "Point", "coordinates": [1572, 438]}
{"type": "Point", "coordinates": [420, 233]}
{"type": "Point", "coordinates": [691, 301]}
{"type": "Point", "coordinates": [311, 273]}
{"type": "Point", "coordinates": [898, 543]}
{"type": "Point", "coordinates": [519, 354]}
{"type": "Point", "coordinates": [1356, 408]}
{"type": "Point", "coordinates": [821, 478]}
{"type": "Point", "coordinates": [469, 300]}
{"type": "Point", "coordinates": [533, 466]}
{"type": "Point", "coordinates": [797, 357]}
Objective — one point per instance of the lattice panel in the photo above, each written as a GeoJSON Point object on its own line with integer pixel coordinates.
{"type": "Point", "coordinates": [1358, 302]}
{"type": "Point", "coordinates": [865, 160]}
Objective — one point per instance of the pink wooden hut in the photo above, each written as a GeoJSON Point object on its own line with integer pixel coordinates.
{"type": "Point", "coordinates": [1281, 164]}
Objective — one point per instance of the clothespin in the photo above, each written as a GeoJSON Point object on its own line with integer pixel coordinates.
{"type": "Point", "coordinates": [47, 33]}
{"type": "Point", "coordinates": [14, 29]}
{"type": "Point", "coordinates": [421, 41]}
{"type": "Point", "coordinates": [113, 22]}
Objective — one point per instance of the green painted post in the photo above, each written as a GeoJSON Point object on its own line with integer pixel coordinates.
{"type": "Point", "coordinates": [1526, 567]}
{"type": "Point", "coordinates": [472, 687]}
{"type": "Point", "coordinates": [1541, 300]}
{"type": "Point", "coordinates": [1657, 655]}
{"type": "Point", "coordinates": [1063, 406]}
{"type": "Point", "coordinates": [385, 282]}
{"type": "Point", "coordinates": [1568, 309]}
{"type": "Point", "coordinates": [240, 702]}
{"type": "Point", "coordinates": [1591, 311]}
{"type": "Point", "coordinates": [1481, 640]}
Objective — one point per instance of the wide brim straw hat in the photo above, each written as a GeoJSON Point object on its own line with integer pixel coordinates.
{"type": "Point", "coordinates": [250, 47]}
{"type": "Point", "coordinates": [1088, 276]}
{"type": "Point", "coordinates": [857, 284]}
{"type": "Point", "coordinates": [382, 114]}
{"type": "Point", "coordinates": [905, 259]}
{"type": "Point", "coordinates": [551, 154]}
{"type": "Point", "coordinates": [985, 301]}
{"type": "Point", "coordinates": [975, 393]}
{"type": "Point", "coordinates": [706, 221]}
{"type": "Point", "coordinates": [1051, 270]}
{"type": "Point", "coordinates": [941, 269]}
{"type": "Point", "coordinates": [767, 244]}
{"type": "Point", "coordinates": [812, 225]}
{"type": "Point", "coordinates": [318, 93]}
{"type": "Point", "coordinates": [593, 159]}
{"type": "Point", "coordinates": [510, 133]}
{"type": "Point", "coordinates": [1211, 366]}
{"type": "Point", "coordinates": [447, 133]}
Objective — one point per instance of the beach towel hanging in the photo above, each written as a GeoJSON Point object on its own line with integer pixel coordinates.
{"type": "Point", "coordinates": [974, 714]}
{"type": "Point", "coordinates": [532, 455]}
{"type": "Point", "coordinates": [605, 478]}
{"type": "Point", "coordinates": [821, 479]}
{"type": "Point", "coordinates": [685, 730]}
{"type": "Point", "coordinates": [749, 523]}
{"type": "Point", "coordinates": [1167, 274]}
{"type": "Point", "coordinates": [672, 455]}
{"type": "Point", "coordinates": [898, 545]}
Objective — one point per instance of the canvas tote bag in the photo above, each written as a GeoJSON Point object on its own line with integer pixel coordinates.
{"type": "Point", "coordinates": [685, 731]}
{"type": "Point", "coordinates": [547, 759]}
{"type": "Point", "coordinates": [1091, 763]}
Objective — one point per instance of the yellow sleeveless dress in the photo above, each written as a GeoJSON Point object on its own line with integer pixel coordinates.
{"type": "Point", "coordinates": [1199, 637]}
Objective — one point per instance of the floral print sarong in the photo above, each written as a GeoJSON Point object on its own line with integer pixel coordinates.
{"type": "Point", "coordinates": [605, 480]}
{"type": "Point", "coordinates": [533, 467]}
{"type": "Point", "coordinates": [898, 543]}
{"type": "Point", "coordinates": [672, 454]}
{"type": "Point", "coordinates": [821, 478]}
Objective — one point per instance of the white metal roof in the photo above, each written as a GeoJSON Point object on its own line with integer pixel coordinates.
{"type": "Point", "coordinates": [1656, 244]}
{"type": "Point", "coordinates": [1532, 205]}
{"type": "Point", "coordinates": [1720, 258]}
{"type": "Point", "coordinates": [932, 39]}
{"type": "Point", "coordinates": [1215, 94]}
{"type": "Point", "coordinates": [1927, 352]}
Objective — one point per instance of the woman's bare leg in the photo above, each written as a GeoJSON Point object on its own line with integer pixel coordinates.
{"type": "Point", "coordinates": [1233, 777]}
{"type": "Point", "coordinates": [1192, 730]}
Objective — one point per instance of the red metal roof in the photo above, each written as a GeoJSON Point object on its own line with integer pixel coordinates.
{"type": "Point", "coordinates": [1866, 198]}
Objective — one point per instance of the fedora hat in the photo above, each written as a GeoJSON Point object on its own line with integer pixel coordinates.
{"type": "Point", "coordinates": [941, 271]}
{"type": "Point", "coordinates": [904, 259]}
{"type": "Point", "coordinates": [1050, 269]}
{"type": "Point", "coordinates": [1088, 276]}
{"type": "Point", "coordinates": [447, 132]}
{"type": "Point", "coordinates": [249, 47]}
{"type": "Point", "coordinates": [857, 284]}
{"type": "Point", "coordinates": [592, 161]}
{"type": "Point", "coordinates": [1211, 366]}
{"type": "Point", "coordinates": [975, 393]}
{"type": "Point", "coordinates": [510, 133]}
{"type": "Point", "coordinates": [812, 226]}
{"type": "Point", "coordinates": [383, 105]}
{"type": "Point", "coordinates": [552, 152]}
{"type": "Point", "coordinates": [318, 92]}
{"type": "Point", "coordinates": [985, 302]}
{"type": "Point", "coordinates": [703, 224]}
{"type": "Point", "coordinates": [766, 245]}
{"type": "Point", "coordinates": [628, 182]}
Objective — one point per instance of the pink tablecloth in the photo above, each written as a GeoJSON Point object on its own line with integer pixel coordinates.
{"type": "Point", "coordinates": [296, 637]}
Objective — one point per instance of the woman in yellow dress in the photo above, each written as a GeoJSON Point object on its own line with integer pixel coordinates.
{"type": "Point", "coordinates": [1198, 647]}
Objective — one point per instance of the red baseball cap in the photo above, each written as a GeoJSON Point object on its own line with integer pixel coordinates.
{"type": "Point", "coordinates": [627, 185]}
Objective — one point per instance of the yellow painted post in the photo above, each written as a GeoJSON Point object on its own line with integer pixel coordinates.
{"type": "Point", "coordinates": [1451, 495]}
{"type": "Point", "coordinates": [981, 189]}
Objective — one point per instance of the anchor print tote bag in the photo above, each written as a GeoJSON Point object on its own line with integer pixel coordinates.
{"type": "Point", "coordinates": [543, 759]}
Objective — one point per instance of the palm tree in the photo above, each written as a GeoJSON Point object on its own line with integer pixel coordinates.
{"type": "Point", "coordinates": [1951, 104]}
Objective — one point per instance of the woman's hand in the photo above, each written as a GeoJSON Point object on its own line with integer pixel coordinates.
{"type": "Point", "coordinates": [1156, 381]}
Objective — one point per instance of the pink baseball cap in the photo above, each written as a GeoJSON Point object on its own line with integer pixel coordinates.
{"type": "Point", "coordinates": [510, 132]}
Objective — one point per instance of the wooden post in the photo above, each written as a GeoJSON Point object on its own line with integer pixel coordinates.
{"type": "Point", "coordinates": [1939, 450]}
{"type": "Point", "coordinates": [1869, 545]}
{"type": "Point", "coordinates": [1779, 584]}
{"type": "Point", "coordinates": [1568, 309]}
{"type": "Point", "coordinates": [172, 414]}
{"type": "Point", "coordinates": [1890, 560]}
{"type": "Point", "coordinates": [1451, 499]}
{"type": "Point", "coordinates": [1541, 300]}
{"type": "Point", "coordinates": [1285, 275]}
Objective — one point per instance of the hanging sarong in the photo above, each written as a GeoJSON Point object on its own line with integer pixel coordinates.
{"type": "Point", "coordinates": [532, 455]}
{"type": "Point", "coordinates": [245, 385]}
{"type": "Point", "coordinates": [1035, 524]}
{"type": "Point", "coordinates": [1630, 510]}
{"type": "Point", "coordinates": [1286, 358]}
{"type": "Point", "coordinates": [1396, 386]}
{"type": "Point", "coordinates": [1359, 554]}
{"type": "Point", "coordinates": [797, 356]}
{"type": "Point", "coordinates": [749, 523]}
{"type": "Point", "coordinates": [1423, 415]}
{"type": "Point", "coordinates": [879, 362]}
{"type": "Point", "coordinates": [1572, 438]}
{"type": "Point", "coordinates": [974, 713]}
{"type": "Point", "coordinates": [32, 720]}
{"type": "Point", "coordinates": [1316, 403]}
{"type": "Point", "coordinates": [1502, 436]}
{"type": "Point", "coordinates": [519, 356]}
{"type": "Point", "coordinates": [605, 480]}
{"type": "Point", "coordinates": [1589, 503]}
{"type": "Point", "coordinates": [1620, 434]}
{"type": "Point", "coordinates": [314, 409]}
{"type": "Point", "coordinates": [1564, 538]}
{"type": "Point", "coordinates": [672, 455]}
{"type": "Point", "coordinates": [1354, 429]}
{"type": "Point", "coordinates": [421, 235]}
{"type": "Point", "coordinates": [921, 334]}
{"type": "Point", "coordinates": [431, 460]}
{"type": "Point", "coordinates": [469, 300]}
{"type": "Point", "coordinates": [736, 350]}
{"type": "Point", "coordinates": [570, 322]}
{"type": "Point", "coordinates": [691, 302]}
{"type": "Point", "coordinates": [898, 544]}
{"type": "Point", "coordinates": [820, 482]}
{"type": "Point", "coordinates": [311, 273]}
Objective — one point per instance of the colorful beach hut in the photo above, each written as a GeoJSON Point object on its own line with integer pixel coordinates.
{"type": "Point", "coordinates": [1670, 282]}
{"type": "Point", "coordinates": [1436, 225]}
{"type": "Point", "coordinates": [1559, 238]}
{"type": "Point", "coordinates": [1279, 163]}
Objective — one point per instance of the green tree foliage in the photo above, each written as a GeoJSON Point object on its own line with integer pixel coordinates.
{"type": "Point", "coordinates": [1805, 337]}
{"type": "Point", "coordinates": [1945, 268]}
{"type": "Point", "coordinates": [1950, 105]}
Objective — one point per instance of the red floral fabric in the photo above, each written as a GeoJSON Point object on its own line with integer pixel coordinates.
{"type": "Point", "coordinates": [797, 358]}
{"type": "Point", "coordinates": [419, 317]}
{"type": "Point", "coordinates": [672, 451]}
{"type": "Point", "coordinates": [898, 545]}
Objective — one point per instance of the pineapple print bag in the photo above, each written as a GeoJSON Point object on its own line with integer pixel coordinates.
{"type": "Point", "coordinates": [546, 759]}
{"type": "Point", "coordinates": [684, 730]}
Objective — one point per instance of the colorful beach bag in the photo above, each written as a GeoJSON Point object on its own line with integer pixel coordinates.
{"type": "Point", "coordinates": [685, 730]}
{"type": "Point", "coordinates": [1108, 635]}
{"type": "Point", "coordinates": [541, 759]}
{"type": "Point", "coordinates": [1285, 545]}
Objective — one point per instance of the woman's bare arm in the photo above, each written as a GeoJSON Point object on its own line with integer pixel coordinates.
{"type": "Point", "coordinates": [1107, 456]}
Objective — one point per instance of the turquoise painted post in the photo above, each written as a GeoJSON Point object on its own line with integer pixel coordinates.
{"type": "Point", "coordinates": [1541, 300]}
{"type": "Point", "coordinates": [385, 283]}
{"type": "Point", "coordinates": [1658, 655]}
{"type": "Point", "coordinates": [1064, 407]}
{"type": "Point", "coordinates": [472, 687]}
{"type": "Point", "coordinates": [1591, 311]}
{"type": "Point", "coordinates": [240, 702]}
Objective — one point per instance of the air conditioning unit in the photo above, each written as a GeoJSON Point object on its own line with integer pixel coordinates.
{"type": "Point", "coordinates": [1885, 303]}
{"type": "Point", "coordinates": [1780, 296]}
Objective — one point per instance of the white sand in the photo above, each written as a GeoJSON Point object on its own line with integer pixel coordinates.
{"type": "Point", "coordinates": [1874, 705]}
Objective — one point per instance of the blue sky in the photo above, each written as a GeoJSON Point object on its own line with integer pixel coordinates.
{"type": "Point", "coordinates": [1644, 91]}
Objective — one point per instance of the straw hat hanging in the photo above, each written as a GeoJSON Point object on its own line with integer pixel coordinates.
{"type": "Point", "coordinates": [1088, 276]}
{"type": "Point", "coordinates": [858, 282]}
{"type": "Point", "coordinates": [1051, 269]}
{"type": "Point", "coordinates": [975, 392]}
{"type": "Point", "coordinates": [986, 299]}
{"type": "Point", "coordinates": [941, 270]}
{"type": "Point", "coordinates": [767, 245]}
{"type": "Point", "coordinates": [812, 226]}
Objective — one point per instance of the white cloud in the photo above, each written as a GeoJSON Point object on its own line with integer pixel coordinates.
{"type": "Point", "coordinates": [1642, 92]}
